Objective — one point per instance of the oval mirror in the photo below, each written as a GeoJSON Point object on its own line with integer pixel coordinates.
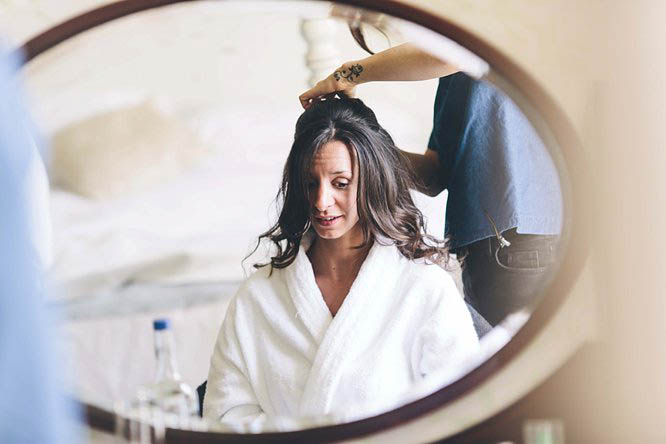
{"type": "Point", "coordinates": [168, 149]}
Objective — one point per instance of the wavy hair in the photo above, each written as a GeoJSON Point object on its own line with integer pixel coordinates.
{"type": "Point", "coordinates": [386, 210]}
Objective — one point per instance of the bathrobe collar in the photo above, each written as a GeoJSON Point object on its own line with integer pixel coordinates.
{"type": "Point", "coordinates": [374, 280]}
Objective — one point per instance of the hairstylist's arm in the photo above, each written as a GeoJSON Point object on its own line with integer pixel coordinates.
{"type": "Point", "coordinates": [405, 62]}
{"type": "Point", "coordinates": [427, 170]}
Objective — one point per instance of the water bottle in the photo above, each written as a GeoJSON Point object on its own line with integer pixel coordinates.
{"type": "Point", "coordinates": [166, 403]}
{"type": "Point", "coordinates": [168, 393]}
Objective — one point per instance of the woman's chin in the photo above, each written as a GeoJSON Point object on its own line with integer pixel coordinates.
{"type": "Point", "coordinates": [327, 234]}
{"type": "Point", "coordinates": [338, 230]}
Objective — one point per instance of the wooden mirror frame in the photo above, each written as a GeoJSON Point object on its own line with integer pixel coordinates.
{"type": "Point", "coordinates": [422, 414]}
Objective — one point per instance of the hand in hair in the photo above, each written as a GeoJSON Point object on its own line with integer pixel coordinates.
{"type": "Point", "coordinates": [404, 62]}
{"type": "Point", "coordinates": [342, 80]}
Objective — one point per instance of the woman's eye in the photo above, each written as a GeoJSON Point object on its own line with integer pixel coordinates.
{"type": "Point", "coordinates": [341, 185]}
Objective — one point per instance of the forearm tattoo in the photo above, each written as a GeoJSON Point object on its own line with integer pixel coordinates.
{"type": "Point", "coordinates": [350, 74]}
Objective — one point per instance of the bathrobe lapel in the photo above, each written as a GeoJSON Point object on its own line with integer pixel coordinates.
{"type": "Point", "coordinates": [373, 280]}
{"type": "Point", "coordinates": [310, 306]}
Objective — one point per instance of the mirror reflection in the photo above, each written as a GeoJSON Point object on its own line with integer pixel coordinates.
{"type": "Point", "coordinates": [330, 231]}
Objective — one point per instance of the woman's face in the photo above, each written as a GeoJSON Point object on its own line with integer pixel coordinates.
{"type": "Point", "coordinates": [333, 186]}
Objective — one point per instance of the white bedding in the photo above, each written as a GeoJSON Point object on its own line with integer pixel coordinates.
{"type": "Point", "coordinates": [171, 252]}
{"type": "Point", "coordinates": [198, 227]}
{"type": "Point", "coordinates": [174, 250]}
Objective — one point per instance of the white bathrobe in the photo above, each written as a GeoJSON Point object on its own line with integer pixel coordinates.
{"type": "Point", "coordinates": [282, 360]}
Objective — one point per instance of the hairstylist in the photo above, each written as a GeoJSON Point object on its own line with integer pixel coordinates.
{"type": "Point", "coordinates": [504, 207]}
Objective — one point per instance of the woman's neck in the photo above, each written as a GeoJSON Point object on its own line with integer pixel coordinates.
{"type": "Point", "coordinates": [337, 258]}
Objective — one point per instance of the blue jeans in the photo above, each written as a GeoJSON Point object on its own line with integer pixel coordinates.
{"type": "Point", "coordinates": [499, 281]}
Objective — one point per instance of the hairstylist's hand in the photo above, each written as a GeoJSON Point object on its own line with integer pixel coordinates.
{"type": "Point", "coordinates": [341, 80]}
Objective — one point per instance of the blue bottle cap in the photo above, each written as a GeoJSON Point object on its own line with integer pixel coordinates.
{"type": "Point", "coordinates": [160, 324]}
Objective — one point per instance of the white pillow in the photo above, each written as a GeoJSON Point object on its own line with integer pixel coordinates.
{"type": "Point", "coordinates": [123, 151]}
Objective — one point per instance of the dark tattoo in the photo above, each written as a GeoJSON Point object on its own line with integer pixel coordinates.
{"type": "Point", "coordinates": [350, 74]}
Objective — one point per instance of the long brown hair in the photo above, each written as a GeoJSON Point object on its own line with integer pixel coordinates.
{"type": "Point", "coordinates": [387, 213]}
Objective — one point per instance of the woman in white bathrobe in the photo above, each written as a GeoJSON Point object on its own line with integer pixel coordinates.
{"type": "Point", "coordinates": [353, 308]}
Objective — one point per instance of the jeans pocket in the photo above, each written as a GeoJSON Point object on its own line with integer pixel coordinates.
{"type": "Point", "coordinates": [520, 261]}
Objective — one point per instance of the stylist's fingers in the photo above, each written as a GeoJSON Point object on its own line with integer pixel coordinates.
{"type": "Point", "coordinates": [319, 90]}
{"type": "Point", "coordinates": [306, 100]}
{"type": "Point", "coordinates": [350, 92]}
{"type": "Point", "coordinates": [324, 93]}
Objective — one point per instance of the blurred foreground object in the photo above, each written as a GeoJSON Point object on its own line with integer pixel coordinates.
{"type": "Point", "coordinates": [32, 408]}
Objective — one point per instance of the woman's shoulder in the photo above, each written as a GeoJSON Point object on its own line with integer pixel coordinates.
{"type": "Point", "coordinates": [412, 268]}
{"type": "Point", "coordinates": [260, 274]}
{"type": "Point", "coordinates": [260, 283]}
{"type": "Point", "coordinates": [422, 267]}
{"type": "Point", "coordinates": [429, 274]}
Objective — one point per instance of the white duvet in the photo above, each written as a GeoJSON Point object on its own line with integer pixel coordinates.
{"type": "Point", "coordinates": [197, 228]}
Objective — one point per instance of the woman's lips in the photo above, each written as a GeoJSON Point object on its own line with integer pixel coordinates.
{"type": "Point", "coordinates": [327, 221]}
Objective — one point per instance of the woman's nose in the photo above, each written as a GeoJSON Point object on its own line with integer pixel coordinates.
{"type": "Point", "coordinates": [323, 198]}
